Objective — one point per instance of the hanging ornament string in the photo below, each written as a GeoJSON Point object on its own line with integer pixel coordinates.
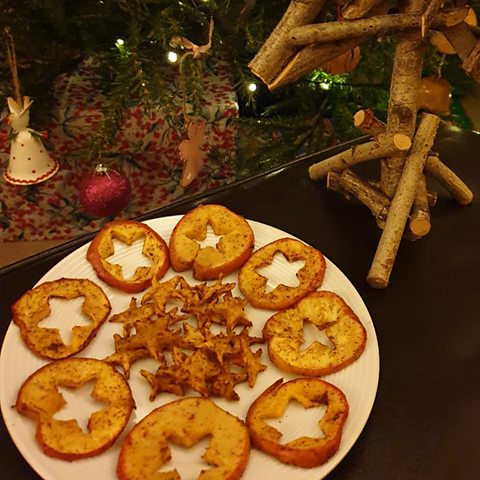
{"type": "Point", "coordinates": [195, 51]}
{"type": "Point", "coordinates": [190, 149]}
{"type": "Point", "coordinates": [248, 6]}
{"type": "Point", "coordinates": [102, 169]}
{"type": "Point", "coordinates": [12, 61]}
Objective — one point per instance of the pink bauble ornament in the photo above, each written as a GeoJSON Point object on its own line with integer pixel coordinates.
{"type": "Point", "coordinates": [104, 193]}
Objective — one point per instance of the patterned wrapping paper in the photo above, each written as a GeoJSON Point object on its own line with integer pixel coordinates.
{"type": "Point", "coordinates": [146, 152]}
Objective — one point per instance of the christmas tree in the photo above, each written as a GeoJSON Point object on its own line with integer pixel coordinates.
{"type": "Point", "coordinates": [132, 41]}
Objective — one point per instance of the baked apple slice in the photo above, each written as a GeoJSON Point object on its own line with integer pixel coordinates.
{"type": "Point", "coordinates": [284, 333]}
{"type": "Point", "coordinates": [210, 263]}
{"type": "Point", "coordinates": [145, 449]}
{"type": "Point", "coordinates": [253, 285]}
{"type": "Point", "coordinates": [33, 307]}
{"type": "Point", "coordinates": [306, 452]}
{"type": "Point", "coordinates": [40, 399]}
{"type": "Point", "coordinates": [128, 231]}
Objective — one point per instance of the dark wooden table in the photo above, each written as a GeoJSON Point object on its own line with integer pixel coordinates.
{"type": "Point", "coordinates": [425, 423]}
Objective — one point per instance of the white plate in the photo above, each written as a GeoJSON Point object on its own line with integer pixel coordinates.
{"type": "Point", "coordinates": [359, 381]}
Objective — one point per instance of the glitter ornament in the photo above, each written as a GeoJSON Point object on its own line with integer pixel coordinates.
{"type": "Point", "coordinates": [104, 193]}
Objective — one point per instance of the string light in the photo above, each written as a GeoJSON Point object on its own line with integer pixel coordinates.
{"type": "Point", "coordinates": [120, 42]}
{"type": "Point", "coordinates": [172, 57]}
{"type": "Point", "coordinates": [252, 86]}
{"type": "Point", "coordinates": [324, 85]}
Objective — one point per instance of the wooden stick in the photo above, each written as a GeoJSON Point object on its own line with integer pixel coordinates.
{"type": "Point", "coordinates": [382, 265]}
{"type": "Point", "coordinates": [349, 184]}
{"type": "Point", "coordinates": [314, 56]}
{"type": "Point", "coordinates": [448, 179]}
{"type": "Point", "coordinates": [471, 64]}
{"type": "Point", "coordinates": [334, 184]}
{"type": "Point", "coordinates": [358, 8]}
{"type": "Point", "coordinates": [462, 39]}
{"type": "Point", "coordinates": [429, 15]}
{"type": "Point", "coordinates": [366, 121]}
{"type": "Point", "coordinates": [402, 105]}
{"type": "Point", "coordinates": [274, 54]}
{"type": "Point", "coordinates": [311, 57]}
{"type": "Point", "coordinates": [377, 148]}
{"type": "Point", "coordinates": [420, 223]}
{"type": "Point", "coordinates": [352, 186]}
{"type": "Point", "coordinates": [373, 26]}
{"type": "Point", "coordinates": [431, 196]}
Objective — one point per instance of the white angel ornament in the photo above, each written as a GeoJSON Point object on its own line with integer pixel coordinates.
{"type": "Point", "coordinates": [29, 161]}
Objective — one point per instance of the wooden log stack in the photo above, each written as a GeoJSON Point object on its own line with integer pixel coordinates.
{"type": "Point", "coordinates": [399, 201]}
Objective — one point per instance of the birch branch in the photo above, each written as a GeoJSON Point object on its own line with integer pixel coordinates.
{"type": "Point", "coordinates": [429, 15]}
{"type": "Point", "coordinates": [462, 39]}
{"type": "Point", "coordinates": [372, 26]}
{"type": "Point", "coordinates": [366, 121]}
{"type": "Point", "coordinates": [382, 265]}
{"type": "Point", "coordinates": [402, 105]}
{"type": "Point", "coordinates": [449, 179]}
{"type": "Point", "coordinates": [377, 148]}
{"type": "Point", "coordinates": [312, 57]}
{"type": "Point", "coordinates": [274, 54]}
{"type": "Point", "coordinates": [420, 223]}
{"type": "Point", "coordinates": [349, 184]}
{"type": "Point", "coordinates": [471, 64]}
{"type": "Point", "coordinates": [358, 8]}
{"type": "Point", "coordinates": [431, 196]}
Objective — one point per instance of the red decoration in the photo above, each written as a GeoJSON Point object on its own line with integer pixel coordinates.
{"type": "Point", "coordinates": [104, 193]}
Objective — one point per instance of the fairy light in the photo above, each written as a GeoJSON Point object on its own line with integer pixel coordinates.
{"type": "Point", "coordinates": [119, 42]}
{"type": "Point", "coordinates": [324, 85]}
{"type": "Point", "coordinates": [252, 87]}
{"type": "Point", "coordinates": [172, 57]}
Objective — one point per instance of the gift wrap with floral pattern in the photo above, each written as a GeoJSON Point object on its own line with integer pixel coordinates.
{"type": "Point", "coordinates": [147, 152]}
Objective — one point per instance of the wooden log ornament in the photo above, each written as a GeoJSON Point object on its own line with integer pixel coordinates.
{"type": "Point", "coordinates": [399, 201]}
{"type": "Point", "coordinates": [382, 265]}
{"type": "Point", "coordinates": [379, 147]}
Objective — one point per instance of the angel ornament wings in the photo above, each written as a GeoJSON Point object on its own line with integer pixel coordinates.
{"type": "Point", "coordinates": [29, 161]}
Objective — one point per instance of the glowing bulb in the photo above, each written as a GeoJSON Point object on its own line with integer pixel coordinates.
{"type": "Point", "coordinates": [119, 42]}
{"type": "Point", "coordinates": [172, 57]}
{"type": "Point", "coordinates": [325, 86]}
{"type": "Point", "coordinates": [252, 87]}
